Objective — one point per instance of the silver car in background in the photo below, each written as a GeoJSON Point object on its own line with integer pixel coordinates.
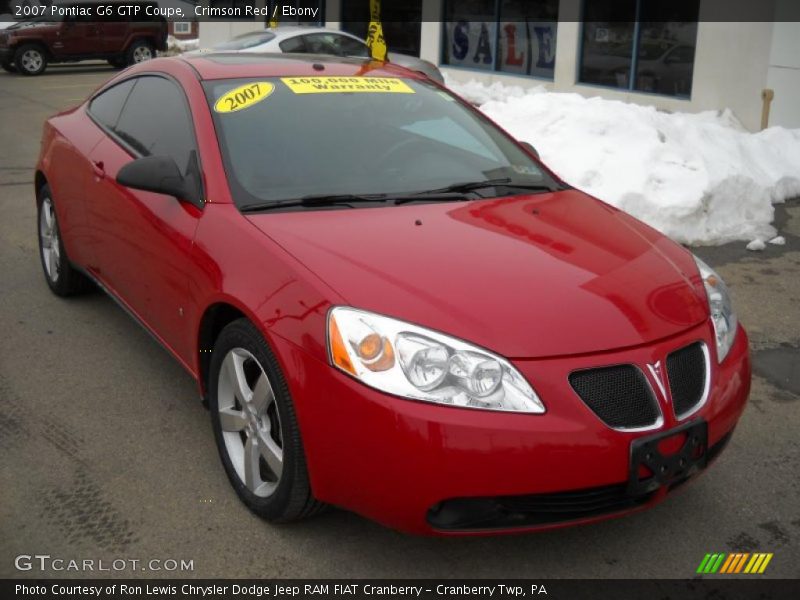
{"type": "Point", "coordinates": [316, 40]}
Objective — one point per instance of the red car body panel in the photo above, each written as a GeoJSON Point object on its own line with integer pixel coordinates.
{"type": "Point", "coordinates": [555, 282]}
{"type": "Point", "coordinates": [573, 277]}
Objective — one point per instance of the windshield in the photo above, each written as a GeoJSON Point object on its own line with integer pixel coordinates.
{"type": "Point", "coordinates": [286, 138]}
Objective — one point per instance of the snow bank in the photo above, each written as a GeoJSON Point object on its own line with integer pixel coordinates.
{"type": "Point", "coordinates": [698, 178]}
{"type": "Point", "coordinates": [176, 46]}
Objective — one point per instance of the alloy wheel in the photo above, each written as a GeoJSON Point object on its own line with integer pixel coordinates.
{"type": "Point", "coordinates": [141, 54]}
{"type": "Point", "coordinates": [32, 60]}
{"type": "Point", "coordinates": [251, 427]}
{"type": "Point", "coordinates": [48, 238]}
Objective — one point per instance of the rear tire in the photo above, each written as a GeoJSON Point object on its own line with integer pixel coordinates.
{"type": "Point", "coordinates": [30, 59]}
{"type": "Point", "coordinates": [255, 427]}
{"type": "Point", "coordinates": [62, 278]}
{"type": "Point", "coordinates": [139, 52]}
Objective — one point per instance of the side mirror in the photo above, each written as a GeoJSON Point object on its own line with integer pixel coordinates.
{"type": "Point", "coordinates": [529, 147]}
{"type": "Point", "coordinates": [161, 175]}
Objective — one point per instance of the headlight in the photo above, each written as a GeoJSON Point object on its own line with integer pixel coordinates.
{"type": "Point", "coordinates": [413, 362]}
{"type": "Point", "coordinates": [719, 303]}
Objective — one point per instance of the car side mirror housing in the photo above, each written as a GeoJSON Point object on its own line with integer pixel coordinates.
{"type": "Point", "coordinates": [161, 175]}
{"type": "Point", "coordinates": [529, 147]}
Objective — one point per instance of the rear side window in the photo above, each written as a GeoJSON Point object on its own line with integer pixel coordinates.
{"type": "Point", "coordinates": [156, 121]}
{"type": "Point", "coordinates": [106, 107]}
{"type": "Point", "coordinates": [350, 47]}
{"type": "Point", "coordinates": [319, 43]}
{"type": "Point", "coordinates": [295, 44]}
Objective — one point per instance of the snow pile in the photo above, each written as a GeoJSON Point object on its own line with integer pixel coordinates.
{"type": "Point", "coordinates": [176, 46]}
{"type": "Point", "coordinates": [698, 178]}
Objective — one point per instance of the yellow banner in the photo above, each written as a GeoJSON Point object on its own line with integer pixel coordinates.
{"type": "Point", "coordinates": [333, 85]}
{"type": "Point", "coordinates": [375, 40]}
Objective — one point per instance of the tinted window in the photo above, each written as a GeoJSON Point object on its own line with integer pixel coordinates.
{"type": "Point", "coordinates": [333, 43]}
{"type": "Point", "coordinates": [156, 121]}
{"type": "Point", "coordinates": [347, 46]}
{"type": "Point", "coordinates": [295, 44]}
{"type": "Point", "coordinates": [319, 44]}
{"type": "Point", "coordinates": [107, 106]}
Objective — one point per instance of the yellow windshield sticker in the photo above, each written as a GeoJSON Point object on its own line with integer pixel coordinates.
{"type": "Point", "coordinates": [332, 85]}
{"type": "Point", "coordinates": [243, 96]}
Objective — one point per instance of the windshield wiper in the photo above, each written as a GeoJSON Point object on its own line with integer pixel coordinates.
{"type": "Point", "coordinates": [469, 186]}
{"type": "Point", "coordinates": [316, 200]}
{"type": "Point", "coordinates": [335, 199]}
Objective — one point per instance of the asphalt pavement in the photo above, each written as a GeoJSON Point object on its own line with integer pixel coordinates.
{"type": "Point", "coordinates": [107, 453]}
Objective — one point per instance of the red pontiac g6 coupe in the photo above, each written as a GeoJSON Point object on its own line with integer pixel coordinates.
{"type": "Point", "coordinates": [388, 303]}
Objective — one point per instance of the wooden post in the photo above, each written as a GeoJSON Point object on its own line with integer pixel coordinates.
{"type": "Point", "coordinates": [766, 97]}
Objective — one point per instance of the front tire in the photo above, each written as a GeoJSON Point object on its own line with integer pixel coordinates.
{"type": "Point", "coordinates": [62, 278]}
{"type": "Point", "coordinates": [139, 52]}
{"type": "Point", "coordinates": [255, 427]}
{"type": "Point", "coordinates": [30, 59]}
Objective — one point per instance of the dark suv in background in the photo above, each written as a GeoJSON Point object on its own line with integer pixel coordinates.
{"type": "Point", "coordinates": [28, 46]}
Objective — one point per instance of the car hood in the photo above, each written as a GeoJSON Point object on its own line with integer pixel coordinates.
{"type": "Point", "coordinates": [526, 276]}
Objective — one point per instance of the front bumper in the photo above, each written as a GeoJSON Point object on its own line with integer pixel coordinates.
{"type": "Point", "coordinates": [399, 461]}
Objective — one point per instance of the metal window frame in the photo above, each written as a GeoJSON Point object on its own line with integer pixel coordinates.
{"type": "Point", "coordinates": [634, 64]}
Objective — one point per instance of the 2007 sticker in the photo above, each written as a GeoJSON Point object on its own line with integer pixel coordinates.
{"type": "Point", "coordinates": [332, 85]}
{"type": "Point", "coordinates": [243, 96]}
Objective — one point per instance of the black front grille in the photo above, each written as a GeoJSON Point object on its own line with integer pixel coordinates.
{"type": "Point", "coordinates": [505, 512]}
{"type": "Point", "coordinates": [686, 369]}
{"type": "Point", "coordinates": [619, 395]}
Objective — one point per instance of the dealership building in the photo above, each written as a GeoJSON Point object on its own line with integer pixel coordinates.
{"type": "Point", "coordinates": [674, 54]}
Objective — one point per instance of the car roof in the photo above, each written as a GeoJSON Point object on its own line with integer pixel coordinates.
{"type": "Point", "coordinates": [285, 31]}
{"type": "Point", "coordinates": [234, 65]}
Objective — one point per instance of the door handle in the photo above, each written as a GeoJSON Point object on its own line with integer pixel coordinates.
{"type": "Point", "coordinates": [98, 168]}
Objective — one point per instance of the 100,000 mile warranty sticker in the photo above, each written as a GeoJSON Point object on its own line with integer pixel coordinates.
{"type": "Point", "coordinates": [332, 85]}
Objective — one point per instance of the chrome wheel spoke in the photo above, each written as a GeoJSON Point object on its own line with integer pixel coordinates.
{"type": "Point", "coordinates": [262, 396]}
{"type": "Point", "coordinates": [252, 467]}
{"type": "Point", "coordinates": [234, 367]}
{"type": "Point", "coordinates": [231, 419]}
{"type": "Point", "coordinates": [53, 260]}
{"type": "Point", "coordinates": [47, 208]}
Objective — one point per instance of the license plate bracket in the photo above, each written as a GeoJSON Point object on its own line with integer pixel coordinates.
{"type": "Point", "coordinates": [691, 457]}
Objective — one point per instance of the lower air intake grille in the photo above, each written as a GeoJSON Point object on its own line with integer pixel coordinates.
{"type": "Point", "coordinates": [686, 369]}
{"type": "Point", "coordinates": [506, 512]}
{"type": "Point", "coordinates": [619, 395]}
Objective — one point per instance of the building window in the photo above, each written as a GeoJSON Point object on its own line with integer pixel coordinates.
{"type": "Point", "coordinates": [508, 36]}
{"type": "Point", "coordinates": [182, 27]}
{"type": "Point", "coordinates": [638, 45]}
{"type": "Point", "coordinates": [402, 23]}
